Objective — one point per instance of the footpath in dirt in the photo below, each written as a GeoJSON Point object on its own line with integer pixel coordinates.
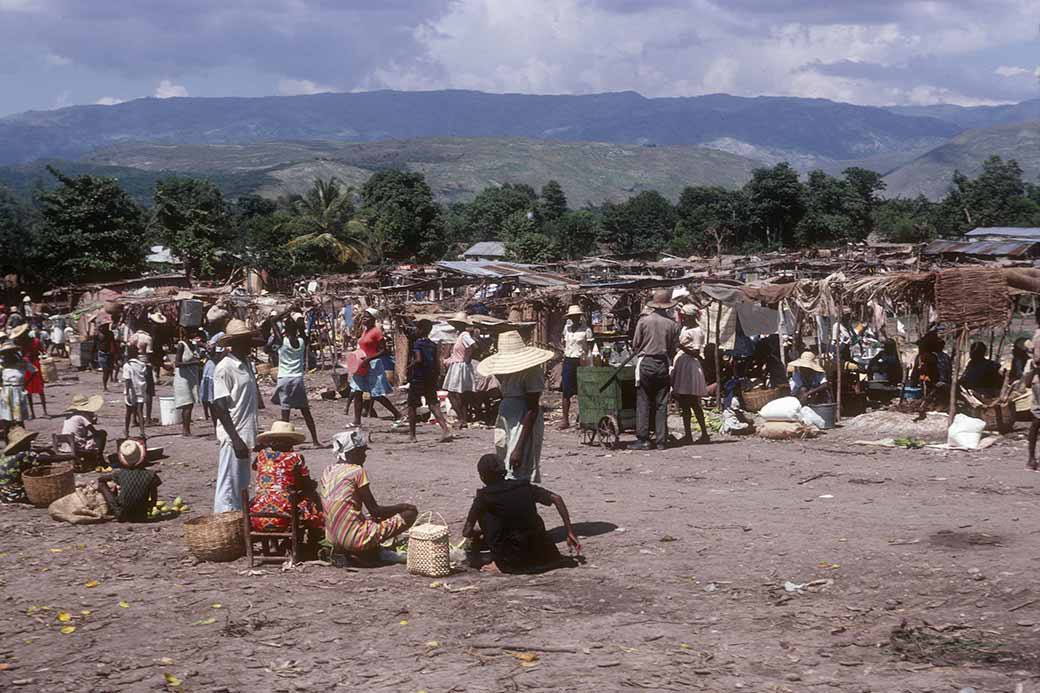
{"type": "Point", "coordinates": [750, 565]}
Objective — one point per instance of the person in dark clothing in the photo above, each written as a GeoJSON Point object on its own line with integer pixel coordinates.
{"type": "Point", "coordinates": [424, 375]}
{"type": "Point", "coordinates": [509, 524]}
{"type": "Point", "coordinates": [138, 488]}
{"type": "Point", "coordinates": [1021, 352]}
{"type": "Point", "coordinates": [887, 364]}
{"type": "Point", "coordinates": [656, 340]}
{"type": "Point", "coordinates": [981, 374]}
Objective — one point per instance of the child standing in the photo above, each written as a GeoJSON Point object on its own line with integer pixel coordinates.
{"type": "Point", "coordinates": [135, 384]}
{"type": "Point", "coordinates": [423, 378]}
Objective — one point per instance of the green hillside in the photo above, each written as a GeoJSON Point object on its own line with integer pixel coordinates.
{"type": "Point", "coordinates": [456, 168]}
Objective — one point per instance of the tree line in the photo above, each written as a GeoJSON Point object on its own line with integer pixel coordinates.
{"type": "Point", "coordinates": [87, 227]}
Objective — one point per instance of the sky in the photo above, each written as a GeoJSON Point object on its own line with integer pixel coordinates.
{"type": "Point", "coordinates": [55, 53]}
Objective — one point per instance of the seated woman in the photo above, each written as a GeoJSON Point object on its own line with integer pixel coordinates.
{"type": "Point", "coordinates": [509, 522]}
{"type": "Point", "coordinates": [81, 424]}
{"type": "Point", "coordinates": [345, 490]}
{"type": "Point", "coordinates": [136, 488]}
{"type": "Point", "coordinates": [279, 470]}
{"type": "Point", "coordinates": [982, 374]}
{"type": "Point", "coordinates": [17, 458]}
{"type": "Point", "coordinates": [808, 380]}
{"type": "Point", "coordinates": [887, 364]}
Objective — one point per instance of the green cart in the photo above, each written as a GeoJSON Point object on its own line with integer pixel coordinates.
{"type": "Point", "coordinates": [606, 405]}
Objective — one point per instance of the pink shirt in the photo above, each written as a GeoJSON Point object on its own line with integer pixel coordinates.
{"type": "Point", "coordinates": [462, 351]}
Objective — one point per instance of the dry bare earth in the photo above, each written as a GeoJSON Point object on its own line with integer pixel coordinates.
{"type": "Point", "coordinates": [688, 551]}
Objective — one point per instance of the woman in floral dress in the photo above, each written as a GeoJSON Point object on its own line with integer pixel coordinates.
{"type": "Point", "coordinates": [279, 470]}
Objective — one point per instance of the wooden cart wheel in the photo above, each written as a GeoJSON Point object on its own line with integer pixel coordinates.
{"type": "Point", "coordinates": [608, 432]}
{"type": "Point", "coordinates": [587, 436]}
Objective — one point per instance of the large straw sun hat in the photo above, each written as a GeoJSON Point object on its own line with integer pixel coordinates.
{"type": "Point", "coordinates": [806, 360]}
{"type": "Point", "coordinates": [460, 318]}
{"type": "Point", "coordinates": [131, 453]}
{"type": "Point", "coordinates": [513, 356]}
{"type": "Point", "coordinates": [158, 318]}
{"type": "Point", "coordinates": [575, 312]}
{"type": "Point", "coordinates": [81, 402]}
{"type": "Point", "coordinates": [662, 299]}
{"type": "Point", "coordinates": [19, 440]}
{"type": "Point", "coordinates": [17, 332]}
{"type": "Point", "coordinates": [281, 431]}
{"type": "Point", "coordinates": [237, 330]}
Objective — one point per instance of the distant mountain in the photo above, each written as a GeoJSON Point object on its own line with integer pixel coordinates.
{"type": "Point", "coordinates": [456, 168]}
{"type": "Point", "coordinates": [930, 174]}
{"type": "Point", "coordinates": [805, 131]}
{"type": "Point", "coordinates": [974, 117]}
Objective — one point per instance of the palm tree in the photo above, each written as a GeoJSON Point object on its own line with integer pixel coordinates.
{"type": "Point", "coordinates": [322, 218]}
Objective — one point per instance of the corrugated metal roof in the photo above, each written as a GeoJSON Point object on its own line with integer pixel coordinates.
{"type": "Point", "coordinates": [1011, 248]}
{"type": "Point", "coordinates": [1006, 231]}
{"type": "Point", "coordinates": [487, 249]}
{"type": "Point", "coordinates": [523, 274]}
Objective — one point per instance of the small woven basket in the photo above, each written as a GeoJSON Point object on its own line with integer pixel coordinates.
{"type": "Point", "coordinates": [429, 549]}
{"type": "Point", "coordinates": [756, 399]}
{"type": "Point", "coordinates": [216, 538]}
{"type": "Point", "coordinates": [48, 483]}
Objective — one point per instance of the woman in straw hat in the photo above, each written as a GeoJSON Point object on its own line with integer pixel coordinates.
{"type": "Point", "coordinates": [80, 423]}
{"type": "Point", "coordinates": [14, 404]}
{"type": "Point", "coordinates": [688, 382]}
{"type": "Point", "coordinates": [17, 458]}
{"type": "Point", "coordinates": [520, 427]}
{"type": "Point", "coordinates": [369, 381]}
{"type": "Point", "coordinates": [458, 380]}
{"type": "Point", "coordinates": [577, 341]}
{"type": "Point", "coordinates": [808, 379]}
{"type": "Point", "coordinates": [31, 348]}
{"type": "Point", "coordinates": [280, 470]}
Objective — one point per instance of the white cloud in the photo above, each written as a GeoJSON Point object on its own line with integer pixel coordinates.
{"type": "Point", "coordinates": [1012, 71]}
{"type": "Point", "coordinates": [169, 90]}
{"type": "Point", "coordinates": [55, 60]}
{"type": "Point", "coordinates": [109, 101]}
{"type": "Point", "coordinates": [296, 87]}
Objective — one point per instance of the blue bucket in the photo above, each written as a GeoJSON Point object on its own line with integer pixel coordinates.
{"type": "Point", "coordinates": [827, 412]}
{"type": "Point", "coordinates": [912, 393]}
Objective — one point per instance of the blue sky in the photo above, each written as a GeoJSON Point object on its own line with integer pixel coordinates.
{"type": "Point", "coordinates": [62, 52]}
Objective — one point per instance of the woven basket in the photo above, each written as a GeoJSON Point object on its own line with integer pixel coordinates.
{"type": "Point", "coordinates": [215, 538]}
{"type": "Point", "coordinates": [997, 418]}
{"type": "Point", "coordinates": [756, 399]}
{"type": "Point", "coordinates": [48, 483]}
{"type": "Point", "coordinates": [429, 550]}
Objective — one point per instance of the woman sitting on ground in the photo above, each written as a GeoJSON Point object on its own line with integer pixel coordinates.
{"type": "Point", "coordinates": [280, 470]}
{"type": "Point", "coordinates": [16, 459]}
{"type": "Point", "coordinates": [136, 488]}
{"type": "Point", "coordinates": [345, 490]}
{"type": "Point", "coordinates": [510, 526]}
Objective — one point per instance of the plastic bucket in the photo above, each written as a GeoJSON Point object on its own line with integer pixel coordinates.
{"type": "Point", "coordinates": [912, 393]}
{"type": "Point", "coordinates": [168, 414]}
{"type": "Point", "coordinates": [825, 412]}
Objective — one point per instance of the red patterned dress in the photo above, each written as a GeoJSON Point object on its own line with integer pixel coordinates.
{"type": "Point", "coordinates": [276, 474]}
{"type": "Point", "coordinates": [34, 381]}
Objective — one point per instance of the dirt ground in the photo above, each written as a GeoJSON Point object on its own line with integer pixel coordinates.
{"type": "Point", "coordinates": [909, 570]}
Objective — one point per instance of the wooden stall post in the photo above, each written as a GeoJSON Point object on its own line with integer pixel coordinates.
{"type": "Point", "coordinates": [718, 358]}
{"type": "Point", "coordinates": [838, 358]}
{"type": "Point", "coordinates": [956, 360]}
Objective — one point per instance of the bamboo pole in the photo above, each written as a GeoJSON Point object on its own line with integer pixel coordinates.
{"type": "Point", "coordinates": [838, 359]}
{"type": "Point", "coordinates": [956, 360]}
{"type": "Point", "coordinates": [718, 358]}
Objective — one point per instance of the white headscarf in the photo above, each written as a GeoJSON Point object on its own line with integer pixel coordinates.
{"type": "Point", "coordinates": [346, 442]}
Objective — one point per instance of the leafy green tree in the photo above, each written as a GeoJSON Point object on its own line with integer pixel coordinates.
{"type": "Point", "coordinates": [777, 200]}
{"type": "Point", "coordinates": [533, 248]}
{"type": "Point", "coordinates": [320, 221]}
{"type": "Point", "coordinates": [16, 235]}
{"type": "Point", "coordinates": [553, 204]}
{"type": "Point", "coordinates": [487, 213]}
{"type": "Point", "coordinates": [89, 228]}
{"type": "Point", "coordinates": [573, 235]}
{"type": "Point", "coordinates": [860, 200]}
{"type": "Point", "coordinates": [702, 208]}
{"type": "Point", "coordinates": [906, 220]}
{"type": "Point", "coordinates": [643, 224]}
{"type": "Point", "coordinates": [191, 218]}
{"type": "Point", "coordinates": [399, 211]}
{"type": "Point", "coordinates": [519, 223]}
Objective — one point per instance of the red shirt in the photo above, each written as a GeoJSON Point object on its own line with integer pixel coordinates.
{"type": "Point", "coordinates": [372, 342]}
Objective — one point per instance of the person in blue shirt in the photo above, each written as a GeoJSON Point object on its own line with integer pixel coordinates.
{"type": "Point", "coordinates": [424, 376]}
{"type": "Point", "coordinates": [808, 380]}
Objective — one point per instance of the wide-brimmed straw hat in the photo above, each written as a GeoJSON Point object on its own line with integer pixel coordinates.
{"type": "Point", "coordinates": [238, 330]}
{"type": "Point", "coordinates": [18, 331]}
{"type": "Point", "coordinates": [8, 346]}
{"type": "Point", "coordinates": [132, 453]}
{"type": "Point", "coordinates": [281, 431]}
{"type": "Point", "coordinates": [374, 312]}
{"type": "Point", "coordinates": [513, 356]}
{"type": "Point", "coordinates": [81, 402]}
{"type": "Point", "coordinates": [575, 311]}
{"type": "Point", "coordinates": [19, 440]}
{"type": "Point", "coordinates": [157, 317]}
{"type": "Point", "coordinates": [460, 318]}
{"type": "Point", "coordinates": [806, 360]}
{"type": "Point", "coordinates": [662, 299]}
{"type": "Point", "coordinates": [691, 310]}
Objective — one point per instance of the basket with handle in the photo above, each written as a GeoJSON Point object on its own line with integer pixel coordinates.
{"type": "Point", "coordinates": [217, 538]}
{"type": "Point", "coordinates": [429, 548]}
{"type": "Point", "coordinates": [47, 483]}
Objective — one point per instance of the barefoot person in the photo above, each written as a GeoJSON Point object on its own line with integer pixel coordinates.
{"type": "Point", "coordinates": [186, 376]}
{"type": "Point", "coordinates": [688, 383]}
{"type": "Point", "coordinates": [459, 380]}
{"type": "Point", "coordinates": [577, 340]}
{"type": "Point", "coordinates": [135, 388]}
{"type": "Point", "coordinates": [424, 374]}
{"type": "Point", "coordinates": [509, 525]}
{"type": "Point", "coordinates": [136, 488]}
{"type": "Point", "coordinates": [291, 391]}
{"type": "Point", "coordinates": [81, 423]}
{"type": "Point", "coordinates": [520, 426]}
{"type": "Point", "coordinates": [369, 382]}
{"type": "Point", "coordinates": [236, 399]}
{"type": "Point", "coordinates": [31, 348]}
{"type": "Point", "coordinates": [14, 403]}
{"type": "Point", "coordinates": [345, 491]}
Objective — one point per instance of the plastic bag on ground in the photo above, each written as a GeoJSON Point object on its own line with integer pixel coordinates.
{"type": "Point", "coordinates": [965, 432]}
{"type": "Point", "coordinates": [783, 409]}
{"type": "Point", "coordinates": [810, 418]}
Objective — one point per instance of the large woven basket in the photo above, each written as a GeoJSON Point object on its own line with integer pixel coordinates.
{"type": "Point", "coordinates": [215, 538]}
{"type": "Point", "coordinates": [48, 483]}
{"type": "Point", "coordinates": [756, 399]}
{"type": "Point", "coordinates": [429, 550]}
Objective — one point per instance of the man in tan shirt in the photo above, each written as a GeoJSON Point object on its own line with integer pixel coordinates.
{"type": "Point", "coordinates": [656, 340]}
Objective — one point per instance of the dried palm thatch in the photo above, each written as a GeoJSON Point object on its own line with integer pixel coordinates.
{"type": "Point", "coordinates": [973, 297]}
{"type": "Point", "coordinates": [907, 289]}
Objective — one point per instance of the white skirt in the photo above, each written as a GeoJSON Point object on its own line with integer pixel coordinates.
{"type": "Point", "coordinates": [459, 378]}
{"type": "Point", "coordinates": [688, 376]}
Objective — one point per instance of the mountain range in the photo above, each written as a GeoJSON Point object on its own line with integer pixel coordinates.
{"type": "Point", "coordinates": [600, 146]}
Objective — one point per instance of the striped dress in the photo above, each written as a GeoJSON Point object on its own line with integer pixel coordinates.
{"type": "Point", "coordinates": [346, 526]}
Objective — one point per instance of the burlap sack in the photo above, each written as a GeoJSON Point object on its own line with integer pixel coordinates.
{"type": "Point", "coordinates": [84, 506]}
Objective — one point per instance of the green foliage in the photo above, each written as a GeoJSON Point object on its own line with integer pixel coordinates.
{"type": "Point", "coordinates": [192, 220]}
{"type": "Point", "coordinates": [997, 197]}
{"type": "Point", "coordinates": [320, 224]}
{"type": "Point", "coordinates": [573, 234]}
{"type": "Point", "coordinates": [532, 247]}
{"type": "Point", "coordinates": [643, 224]}
{"type": "Point", "coordinates": [553, 204]}
{"type": "Point", "coordinates": [906, 221]}
{"type": "Point", "coordinates": [487, 214]}
{"type": "Point", "coordinates": [15, 234]}
{"type": "Point", "coordinates": [702, 209]}
{"type": "Point", "coordinates": [402, 218]}
{"type": "Point", "coordinates": [777, 201]}
{"type": "Point", "coordinates": [89, 228]}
